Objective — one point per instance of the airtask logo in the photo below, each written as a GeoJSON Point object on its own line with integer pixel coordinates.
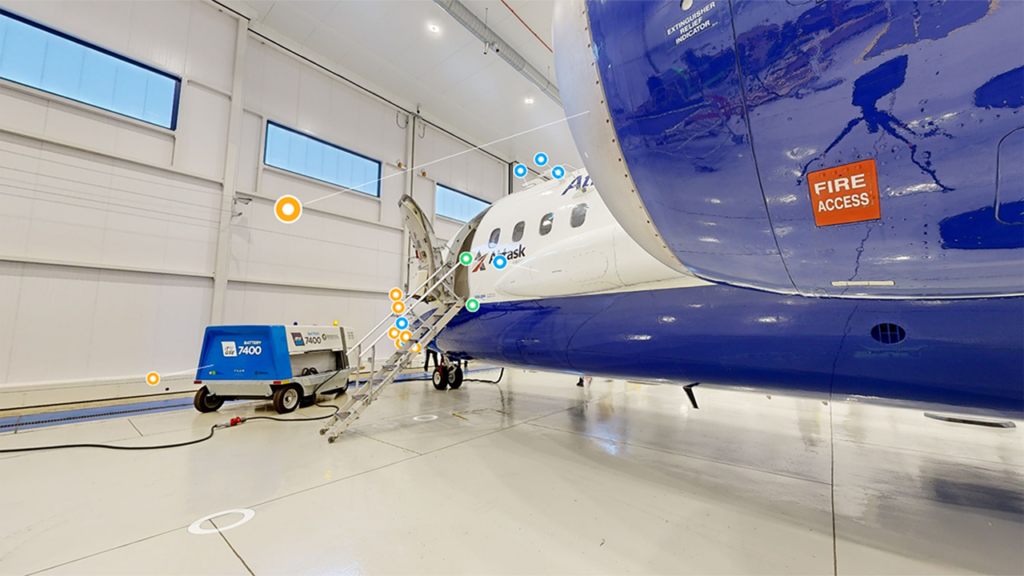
{"type": "Point", "coordinates": [577, 182]}
{"type": "Point", "coordinates": [499, 259]}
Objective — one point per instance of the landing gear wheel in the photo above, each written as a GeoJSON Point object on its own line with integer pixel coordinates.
{"type": "Point", "coordinates": [287, 399]}
{"type": "Point", "coordinates": [441, 378]}
{"type": "Point", "coordinates": [206, 402]}
{"type": "Point", "coordinates": [455, 378]}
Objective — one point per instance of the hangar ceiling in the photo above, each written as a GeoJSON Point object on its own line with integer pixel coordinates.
{"type": "Point", "coordinates": [391, 44]}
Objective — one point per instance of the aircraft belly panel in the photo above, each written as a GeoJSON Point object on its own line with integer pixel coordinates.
{"type": "Point", "coordinates": [962, 352]}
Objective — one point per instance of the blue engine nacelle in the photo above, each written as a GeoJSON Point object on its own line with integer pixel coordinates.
{"type": "Point", "coordinates": [834, 148]}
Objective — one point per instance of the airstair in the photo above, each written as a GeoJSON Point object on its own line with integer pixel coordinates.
{"type": "Point", "coordinates": [427, 308]}
{"type": "Point", "coordinates": [437, 305]}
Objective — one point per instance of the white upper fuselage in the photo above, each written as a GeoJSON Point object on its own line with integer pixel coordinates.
{"type": "Point", "coordinates": [552, 253]}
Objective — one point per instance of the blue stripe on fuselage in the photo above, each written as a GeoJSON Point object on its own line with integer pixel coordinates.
{"type": "Point", "coordinates": [959, 352]}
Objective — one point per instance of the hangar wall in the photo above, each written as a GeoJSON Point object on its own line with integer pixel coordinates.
{"type": "Point", "coordinates": [109, 226]}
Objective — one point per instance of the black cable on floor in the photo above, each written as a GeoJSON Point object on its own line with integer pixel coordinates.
{"type": "Point", "coordinates": [500, 376]}
{"type": "Point", "coordinates": [233, 422]}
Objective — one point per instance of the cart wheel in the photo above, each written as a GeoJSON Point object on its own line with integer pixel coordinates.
{"type": "Point", "coordinates": [287, 399]}
{"type": "Point", "coordinates": [441, 378]}
{"type": "Point", "coordinates": [455, 378]}
{"type": "Point", "coordinates": [206, 402]}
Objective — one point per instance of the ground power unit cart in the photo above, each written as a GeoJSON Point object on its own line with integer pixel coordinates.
{"type": "Point", "coordinates": [289, 364]}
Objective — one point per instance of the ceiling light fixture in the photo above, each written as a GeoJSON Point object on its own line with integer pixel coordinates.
{"type": "Point", "coordinates": [434, 28]}
{"type": "Point", "coordinates": [528, 100]}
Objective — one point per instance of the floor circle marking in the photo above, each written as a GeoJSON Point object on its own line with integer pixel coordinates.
{"type": "Point", "coordinates": [246, 516]}
{"type": "Point", "coordinates": [425, 418]}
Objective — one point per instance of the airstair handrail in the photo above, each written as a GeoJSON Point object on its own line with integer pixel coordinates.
{"type": "Point", "coordinates": [404, 301]}
{"type": "Point", "coordinates": [410, 308]}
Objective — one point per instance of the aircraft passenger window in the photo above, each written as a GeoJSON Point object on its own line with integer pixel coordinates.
{"type": "Point", "coordinates": [493, 241]}
{"type": "Point", "coordinates": [579, 214]}
{"type": "Point", "coordinates": [517, 232]}
{"type": "Point", "coordinates": [546, 222]}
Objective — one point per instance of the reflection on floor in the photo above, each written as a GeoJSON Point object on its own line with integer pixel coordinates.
{"type": "Point", "coordinates": [532, 475]}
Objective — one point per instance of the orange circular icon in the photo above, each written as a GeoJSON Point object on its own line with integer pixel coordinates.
{"type": "Point", "coordinates": [398, 307]}
{"type": "Point", "coordinates": [393, 333]}
{"type": "Point", "coordinates": [405, 336]}
{"type": "Point", "coordinates": [152, 378]}
{"type": "Point", "coordinates": [398, 343]}
{"type": "Point", "coordinates": [416, 348]}
{"type": "Point", "coordinates": [287, 209]}
{"type": "Point", "coordinates": [395, 294]}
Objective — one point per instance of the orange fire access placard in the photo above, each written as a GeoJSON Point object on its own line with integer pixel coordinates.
{"type": "Point", "coordinates": [844, 194]}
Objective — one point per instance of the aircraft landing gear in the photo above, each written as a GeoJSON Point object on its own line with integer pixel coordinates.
{"type": "Point", "coordinates": [448, 375]}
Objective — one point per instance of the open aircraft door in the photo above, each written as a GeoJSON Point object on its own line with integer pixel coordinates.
{"type": "Point", "coordinates": [425, 245]}
{"type": "Point", "coordinates": [429, 250]}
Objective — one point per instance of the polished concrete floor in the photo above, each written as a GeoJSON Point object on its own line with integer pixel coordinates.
{"type": "Point", "coordinates": [530, 476]}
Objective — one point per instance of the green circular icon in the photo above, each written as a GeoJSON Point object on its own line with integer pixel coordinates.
{"type": "Point", "coordinates": [472, 305]}
{"type": "Point", "coordinates": [465, 258]}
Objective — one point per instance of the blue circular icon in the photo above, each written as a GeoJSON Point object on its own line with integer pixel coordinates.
{"type": "Point", "coordinates": [558, 172]}
{"type": "Point", "coordinates": [540, 159]}
{"type": "Point", "coordinates": [500, 262]}
{"type": "Point", "coordinates": [520, 170]}
{"type": "Point", "coordinates": [401, 323]}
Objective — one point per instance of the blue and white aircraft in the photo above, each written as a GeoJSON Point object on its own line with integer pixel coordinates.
{"type": "Point", "coordinates": [803, 195]}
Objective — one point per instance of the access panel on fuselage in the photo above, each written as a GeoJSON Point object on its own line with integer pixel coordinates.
{"type": "Point", "coordinates": [676, 100]}
{"type": "Point", "coordinates": [917, 95]}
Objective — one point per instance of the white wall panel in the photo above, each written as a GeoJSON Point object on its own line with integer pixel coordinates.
{"type": "Point", "coordinates": [51, 300]}
{"type": "Point", "coordinates": [203, 130]}
{"type": "Point", "coordinates": [160, 33]}
{"type": "Point", "coordinates": [81, 127]}
{"type": "Point", "coordinates": [252, 80]}
{"type": "Point", "coordinates": [314, 109]}
{"type": "Point", "coordinates": [249, 158]}
{"type": "Point", "coordinates": [22, 112]}
{"type": "Point", "coordinates": [10, 300]}
{"type": "Point", "coordinates": [457, 165]}
{"type": "Point", "coordinates": [280, 86]}
{"type": "Point", "coordinates": [211, 46]}
{"type": "Point", "coordinates": [262, 304]}
{"type": "Point", "coordinates": [76, 323]}
{"type": "Point", "coordinates": [139, 143]}
{"type": "Point", "coordinates": [352, 204]}
{"type": "Point", "coordinates": [320, 249]}
{"type": "Point", "coordinates": [106, 22]}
